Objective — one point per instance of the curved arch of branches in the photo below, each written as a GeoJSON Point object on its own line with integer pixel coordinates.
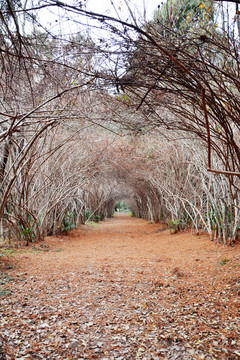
{"type": "Point", "coordinates": [143, 113]}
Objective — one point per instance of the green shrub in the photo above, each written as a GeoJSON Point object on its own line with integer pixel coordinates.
{"type": "Point", "coordinates": [87, 213]}
{"type": "Point", "coordinates": [97, 218]}
{"type": "Point", "coordinates": [68, 222]}
{"type": "Point", "coordinates": [26, 231]}
{"type": "Point", "coordinates": [175, 226]}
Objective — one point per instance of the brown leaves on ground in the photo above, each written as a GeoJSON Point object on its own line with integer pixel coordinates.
{"type": "Point", "coordinates": [122, 290]}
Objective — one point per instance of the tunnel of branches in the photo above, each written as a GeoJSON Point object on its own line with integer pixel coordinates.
{"type": "Point", "coordinates": [147, 116]}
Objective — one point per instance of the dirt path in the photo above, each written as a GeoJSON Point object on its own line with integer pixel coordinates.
{"type": "Point", "coordinates": [122, 289]}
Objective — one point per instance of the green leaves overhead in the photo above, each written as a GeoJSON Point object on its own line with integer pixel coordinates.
{"type": "Point", "coordinates": [185, 14]}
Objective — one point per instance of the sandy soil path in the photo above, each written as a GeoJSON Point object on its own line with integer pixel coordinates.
{"type": "Point", "coordinates": [122, 289]}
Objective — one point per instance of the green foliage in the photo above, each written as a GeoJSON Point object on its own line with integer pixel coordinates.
{"type": "Point", "coordinates": [94, 217]}
{"type": "Point", "coordinates": [68, 222]}
{"type": "Point", "coordinates": [121, 206]}
{"type": "Point", "coordinates": [8, 251]}
{"type": "Point", "coordinates": [175, 226]}
{"type": "Point", "coordinates": [87, 213]}
{"type": "Point", "coordinates": [97, 218]}
{"type": "Point", "coordinates": [215, 216]}
{"type": "Point", "coordinates": [183, 15]}
{"type": "Point", "coordinates": [133, 214]}
{"type": "Point", "coordinates": [67, 226]}
{"type": "Point", "coordinates": [26, 232]}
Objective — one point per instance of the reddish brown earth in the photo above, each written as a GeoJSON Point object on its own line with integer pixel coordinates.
{"type": "Point", "coordinates": [122, 289]}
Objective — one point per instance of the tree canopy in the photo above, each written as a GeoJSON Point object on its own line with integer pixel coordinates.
{"type": "Point", "coordinates": [184, 16]}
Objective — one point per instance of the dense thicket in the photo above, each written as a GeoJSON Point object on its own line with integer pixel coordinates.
{"type": "Point", "coordinates": [146, 112]}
